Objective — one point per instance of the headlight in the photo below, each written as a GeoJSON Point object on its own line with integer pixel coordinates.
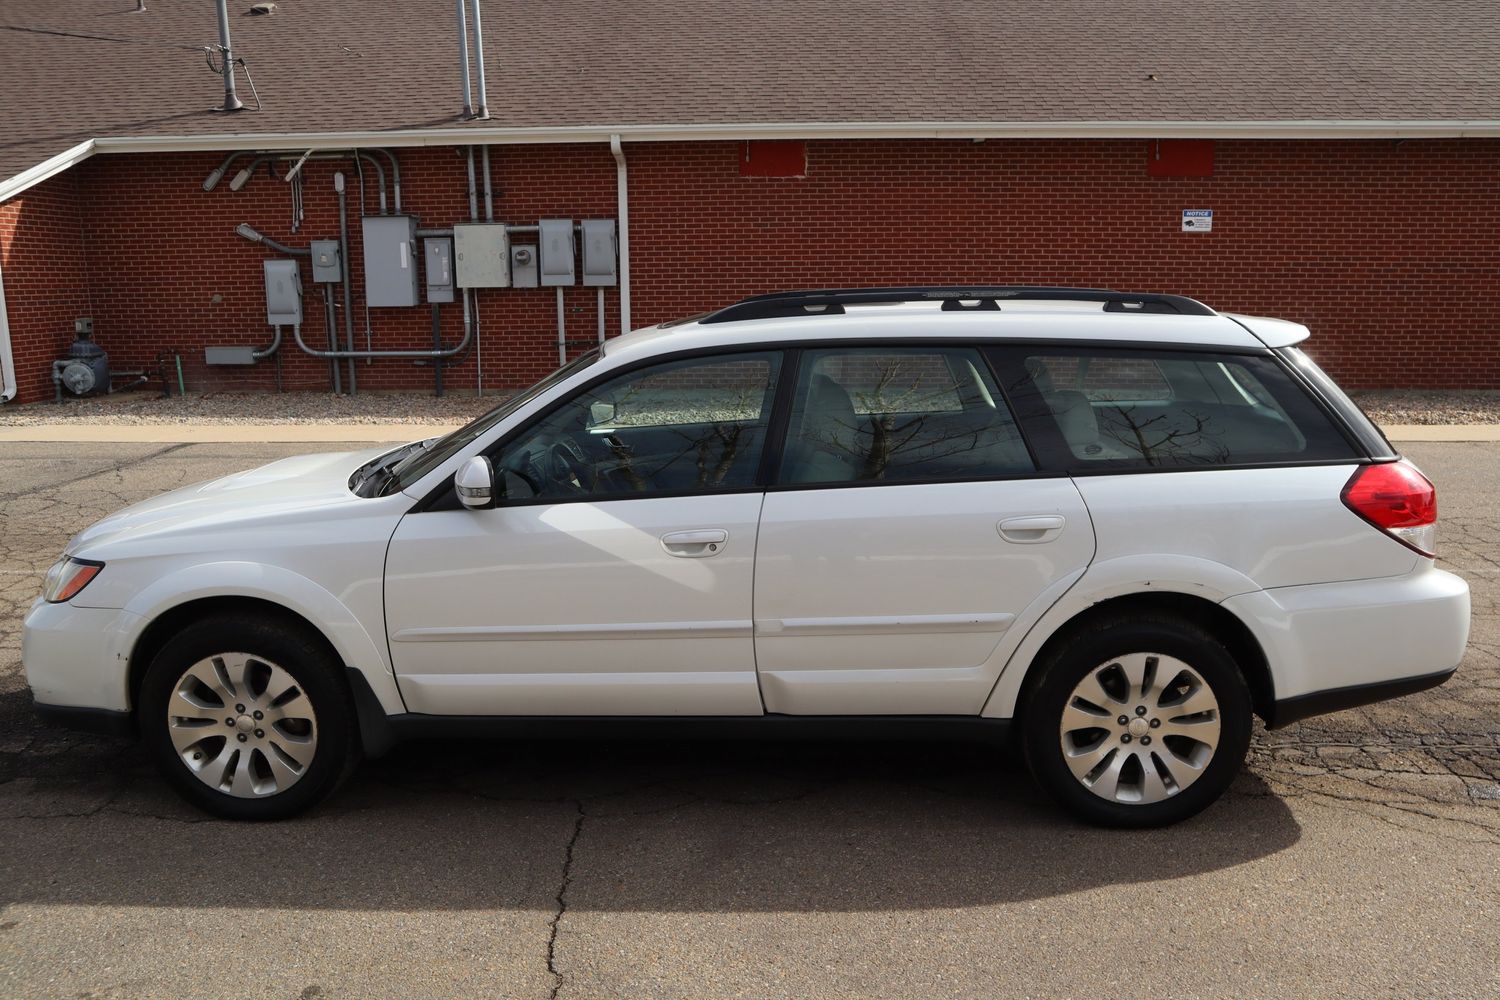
{"type": "Point", "coordinates": [67, 577]}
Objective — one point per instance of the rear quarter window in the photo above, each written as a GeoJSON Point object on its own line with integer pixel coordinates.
{"type": "Point", "coordinates": [1106, 409]}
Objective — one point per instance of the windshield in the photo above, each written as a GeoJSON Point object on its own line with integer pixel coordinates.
{"type": "Point", "coordinates": [416, 465]}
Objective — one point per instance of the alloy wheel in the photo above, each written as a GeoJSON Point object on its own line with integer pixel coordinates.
{"type": "Point", "coordinates": [242, 725]}
{"type": "Point", "coordinates": [1140, 728]}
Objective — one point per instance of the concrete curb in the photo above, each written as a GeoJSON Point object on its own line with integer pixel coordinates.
{"type": "Point", "coordinates": [323, 433]}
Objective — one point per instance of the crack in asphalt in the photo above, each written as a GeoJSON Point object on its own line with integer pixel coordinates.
{"type": "Point", "coordinates": [562, 903]}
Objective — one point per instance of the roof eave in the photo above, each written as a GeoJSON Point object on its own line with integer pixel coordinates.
{"type": "Point", "coordinates": [461, 135]}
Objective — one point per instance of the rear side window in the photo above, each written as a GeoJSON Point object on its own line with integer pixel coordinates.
{"type": "Point", "coordinates": [869, 415]}
{"type": "Point", "coordinates": [1121, 409]}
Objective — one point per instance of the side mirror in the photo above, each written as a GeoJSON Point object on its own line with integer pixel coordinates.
{"type": "Point", "coordinates": [601, 413]}
{"type": "Point", "coordinates": [475, 483]}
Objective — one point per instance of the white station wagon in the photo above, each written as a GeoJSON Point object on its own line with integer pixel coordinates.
{"type": "Point", "coordinates": [1114, 526]}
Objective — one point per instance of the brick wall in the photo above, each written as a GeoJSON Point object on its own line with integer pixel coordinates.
{"type": "Point", "coordinates": [44, 264]}
{"type": "Point", "coordinates": [1389, 251]}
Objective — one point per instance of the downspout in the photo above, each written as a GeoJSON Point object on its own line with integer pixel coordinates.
{"type": "Point", "coordinates": [8, 386]}
{"type": "Point", "coordinates": [623, 211]}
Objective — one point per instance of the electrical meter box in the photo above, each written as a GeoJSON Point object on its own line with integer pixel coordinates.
{"type": "Point", "coordinates": [390, 260]}
{"type": "Point", "coordinates": [555, 251]}
{"type": "Point", "coordinates": [481, 255]}
{"type": "Point", "coordinates": [283, 293]}
{"type": "Point", "coordinates": [599, 252]}
{"type": "Point", "coordinates": [438, 254]}
{"type": "Point", "coordinates": [522, 265]}
{"type": "Point", "coordinates": [327, 267]}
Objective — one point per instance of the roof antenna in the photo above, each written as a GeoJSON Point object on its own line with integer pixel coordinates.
{"type": "Point", "coordinates": [226, 56]}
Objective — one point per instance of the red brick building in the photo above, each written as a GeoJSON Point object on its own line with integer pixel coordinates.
{"type": "Point", "coordinates": [1351, 163]}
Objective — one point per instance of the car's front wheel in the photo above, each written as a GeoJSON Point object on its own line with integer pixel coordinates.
{"type": "Point", "coordinates": [1137, 722]}
{"type": "Point", "coordinates": [248, 718]}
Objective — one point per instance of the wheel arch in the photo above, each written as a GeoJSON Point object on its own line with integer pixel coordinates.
{"type": "Point", "coordinates": [1219, 621]}
{"type": "Point", "coordinates": [159, 631]}
{"type": "Point", "coordinates": [226, 587]}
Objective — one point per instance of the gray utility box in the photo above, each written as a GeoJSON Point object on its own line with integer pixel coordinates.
{"type": "Point", "coordinates": [390, 260]}
{"type": "Point", "coordinates": [283, 293]}
{"type": "Point", "coordinates": [481, 255]}
{"type": "Point", "coordinates": [229, 355]}
{"type": "Point", "coordinates": [555, 249]}
{"type": "Point", "coordinates": [327, 268]}
{"type": "Point", "coordinates": [437, 253]}
{"type": "Point", "coordinates": [599, 252]}
{"type": "Point", "coordinates": [522, 265]}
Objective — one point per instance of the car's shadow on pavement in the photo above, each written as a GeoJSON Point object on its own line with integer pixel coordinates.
{"type": "Point", "coordinates": [622, 826]}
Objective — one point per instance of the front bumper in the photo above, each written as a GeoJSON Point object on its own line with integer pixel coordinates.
{"type": "Point", "coordinates": [78, 658]}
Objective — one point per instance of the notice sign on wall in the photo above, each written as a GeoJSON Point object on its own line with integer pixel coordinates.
{"type": "Point", "coordinates": [1197, 220]}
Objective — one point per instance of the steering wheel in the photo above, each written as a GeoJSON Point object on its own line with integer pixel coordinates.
{"type": "Point", "coordinates": [566, 465]}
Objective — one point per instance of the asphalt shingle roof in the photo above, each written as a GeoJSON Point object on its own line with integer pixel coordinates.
{"type": "Point", "coordinates": [71, 70]}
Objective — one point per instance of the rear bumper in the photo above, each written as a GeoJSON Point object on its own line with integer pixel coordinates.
{"type": "Point", "coordinates": [1333, 646]}
{"type": "Point", "coordinates": [1289, 710]}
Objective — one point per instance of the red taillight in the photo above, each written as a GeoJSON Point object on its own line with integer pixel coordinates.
{"type": "Point", "coordinates": [1399, 500]}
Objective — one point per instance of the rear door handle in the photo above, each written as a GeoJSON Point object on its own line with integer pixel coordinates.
{"type": "Point", "coordinates": [1032, 528]}
{"type": "Point", "coordinates": [695, 544]}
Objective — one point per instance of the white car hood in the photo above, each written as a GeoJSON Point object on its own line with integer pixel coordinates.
{"type": "Point", "coordinates": [299, 485]}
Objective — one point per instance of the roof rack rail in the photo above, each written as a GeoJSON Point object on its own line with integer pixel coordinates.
{"type": "Point", "coordinates": [831, 301]}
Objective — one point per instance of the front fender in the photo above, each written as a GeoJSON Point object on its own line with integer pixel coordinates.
{"type": "Point", "coordinates": [1133, 574]}
{"type": "Point", "coordinates": [356, 644]}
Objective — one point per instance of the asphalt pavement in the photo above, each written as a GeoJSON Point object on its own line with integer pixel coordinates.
{"type": "Point", "coordinates": [1357, 856]}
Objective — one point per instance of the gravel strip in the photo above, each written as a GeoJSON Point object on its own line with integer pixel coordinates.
{"type": "Point", "coordinates": [227, 408]}
{"type": "Point", "coordinates": [1435, 406]}
{"type": "Point", "coordinates": [1385, 406]}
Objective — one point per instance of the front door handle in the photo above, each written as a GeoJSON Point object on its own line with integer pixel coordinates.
{"type": "Point", "coordinates": [695, 544]}
{"type": "Point", "coordinates": [1032, 529]}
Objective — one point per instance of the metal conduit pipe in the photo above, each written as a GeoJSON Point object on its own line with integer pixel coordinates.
{"type": "Point", "coordinates": [471, 309]}
{"type": "Point", "coordinates": [271, 348]}
{"type": "Point", "coordinates": [622, 210]}
{"type": "Point", "coordinates": [395, 175]}
{"type": "Point", "coordinates": [241, 178]}
{"type": "Point", "coordinates": [330, 323]}
{"type": "Point", "coordinates": [463, 57]}
{"type": "Point", "coordinates": [489, 194]}
{"type": "Point", "coordinates": [442, 352]}
{"type": "Point", "coordinates": [249, 232]}
{"type": "Point", "coordinates": [338, 186]}
{"type": "Point", "coordinates": [484, 103]}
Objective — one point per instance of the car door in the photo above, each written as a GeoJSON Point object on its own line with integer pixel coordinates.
{"type": "Point", "coordinates": [905, 534]}
{"type": "Point", "coordinates": [614, 575]}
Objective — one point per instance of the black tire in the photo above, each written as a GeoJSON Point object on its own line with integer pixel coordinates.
{"type": "Point", "coordinates": [1097, 644]}
{"type": "Point", "coordinates": [318, 676]}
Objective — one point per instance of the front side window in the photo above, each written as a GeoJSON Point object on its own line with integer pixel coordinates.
{"type": "Point", "coordinates": [898, 414]}
{"type": "Point", "coordinates": [690, 426]}
{"type": "Point", "coordinates": [1121, 409]}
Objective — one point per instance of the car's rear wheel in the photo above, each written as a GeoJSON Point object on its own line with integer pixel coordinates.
{"type": "Point", "coordinates": [248, 718]}
{"type": "Point", "coordinates": [1137, 722]}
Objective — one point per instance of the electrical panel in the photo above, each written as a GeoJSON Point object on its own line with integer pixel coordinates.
{"type": "Point", "coordinates": [523, 266]}
{"type": "Point", "coordinates": [599, 252]}
{"type": "Point", "coordinates": [438, 256]}
{"type": "Point", "coordinates": [283, 293]}
{"type": "Point", "coordinates": [481, 255]}
{"type": "Point", "coordinates": [390, 260]}
{"type": "Point", "coordinates": [555, 250]}
{"type": "Point", "coordinates": [326, 265]}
